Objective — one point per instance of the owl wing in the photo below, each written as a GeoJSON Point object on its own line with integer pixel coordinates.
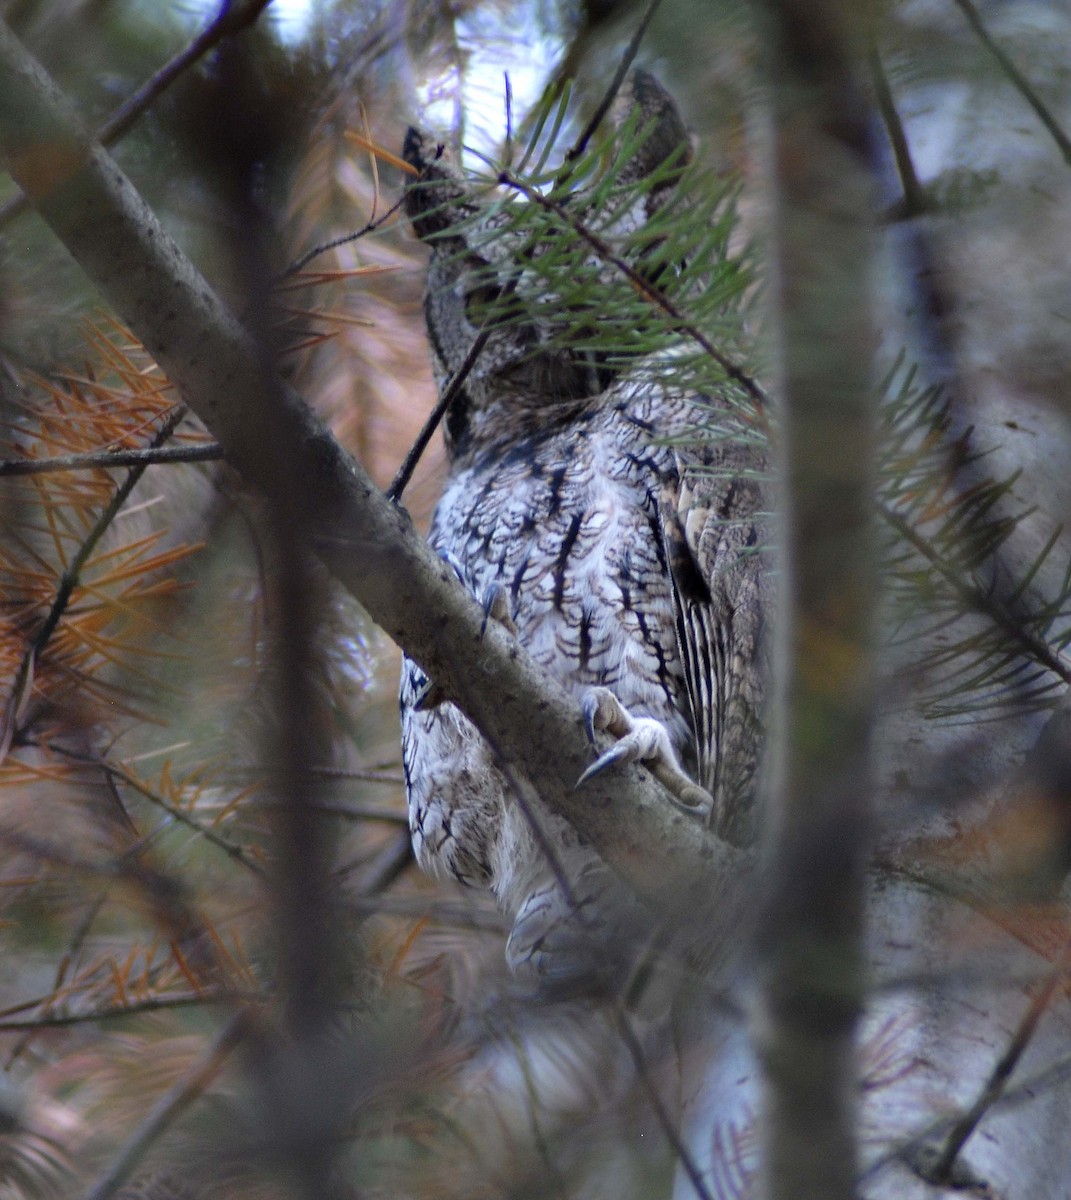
{"type": "Point", "coordinates": [712, 512]}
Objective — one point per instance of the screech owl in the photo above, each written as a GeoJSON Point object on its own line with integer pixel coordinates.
{"type": "Point", "coordinates": [584, 511]}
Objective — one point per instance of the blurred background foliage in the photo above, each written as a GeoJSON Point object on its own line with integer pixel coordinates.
{"type": "Point", "coordinates": [140, 618]}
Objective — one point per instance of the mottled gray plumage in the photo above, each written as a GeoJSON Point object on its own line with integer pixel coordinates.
{"type": "Point", "coordinates": [624, 561]}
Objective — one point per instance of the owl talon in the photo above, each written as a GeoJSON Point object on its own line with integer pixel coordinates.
{"type": "Point", "coordinates": [641, 739]}
{"type": "Point", "coordinates": [454, 563]}
{"type": "Point", "coordinates": [428, 696]}
{"type": "Point", "coordinates": [496, 608]}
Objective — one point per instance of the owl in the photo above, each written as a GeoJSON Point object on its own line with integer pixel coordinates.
{"type": "Point", "coordinates": [585, 513]}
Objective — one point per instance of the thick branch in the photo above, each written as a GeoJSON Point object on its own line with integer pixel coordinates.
{"type": "Point", "coordinates": [271, 436]}
{"type": "Point", "coordinates": [811, 945]}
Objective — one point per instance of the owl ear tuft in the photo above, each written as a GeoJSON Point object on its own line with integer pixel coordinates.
{"type": "Point", "coordinates": [644, 100]}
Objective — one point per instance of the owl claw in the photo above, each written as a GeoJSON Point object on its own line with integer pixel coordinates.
{"type": "Point", "coordinates": [641, 739]}
{"type": "Point", "coordinates": [496, 608]}
{"type": "Point", "coordinates": [428, 696]}
{"type": "Point", "coordinates": [454, 563]}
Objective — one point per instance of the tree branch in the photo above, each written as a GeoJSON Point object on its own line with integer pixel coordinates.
{"type": "Point", "coordinates": [370, 545]}
{"type": "Point", "coordinates": [810, 947]}
{"type": "Point", "coordinates": [111, 458]}
{"type": "Point", "coordinates": [232, 19]}
{"type": "Point", "coordinates": [1017, 79]}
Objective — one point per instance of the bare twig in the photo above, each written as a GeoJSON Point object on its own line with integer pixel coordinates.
{"type": "Point", "coordinates": [450, 394]}
{"type": "Point", "coordinates": [914, 202]}
{"type": "Point", "coordinates": [388, 865]}
{"type": "Point", "coordinates": [599, 115]}
{"type": "Point", "coordinates": [1027, 1088]}
{"type": "Point", "coordinates": [170, 1106]}
{"type": "Point", "coordinates": [1017, 79]}
{"type": "Point", "coordinates": [459, 916]}
{"type": "Point", "coordinates": [524, 795]}
{"type": "Point", "coordinates": [362, 812]}
{"type": "Point", "coordinates": [232, 19]}
{"type": "Point", "coordinates": [639, 1060]}
{"type": "Point", "coordinates": [645, 287]}
{"type": "Point", "coordinates": [111, 458]}
{"type": "Point", "coordinates": [74, 946]}
{"type": "Point", "coordinates": [359, 774]}
{"type": "Point", "coordinates": [995, 1086]}
{"type": "Point", "coordinates": [119, 1011]}
{"type": "Point", "coordinates": [299, 264]}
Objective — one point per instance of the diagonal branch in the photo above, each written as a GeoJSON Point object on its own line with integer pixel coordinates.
{"type": "Point", "coordinates": [1018, 80]}
{"type": "Point", "coordinates": [370, 545]}
{"type": "Point", "coordinates": [171, 1105]}
{"type": "Point", "coordinates": [232, 19]}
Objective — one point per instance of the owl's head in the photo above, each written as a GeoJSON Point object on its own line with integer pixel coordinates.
{"type": "Point", "coordinates": [500, 261]}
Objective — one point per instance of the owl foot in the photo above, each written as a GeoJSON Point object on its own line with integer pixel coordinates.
{"type": "Point", "coordinates": [581, 945]}
{"type": "Point", "coordinates": [641, 739]}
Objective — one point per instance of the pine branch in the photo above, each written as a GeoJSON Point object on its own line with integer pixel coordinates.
{"type": "Point", "coordinates": [977, 599]}
{"type": "Point", "coordinates": [644, 286]}
{"type": "Point", "coordinates": [24, 674]}
{"type": "Point", "coordinates": [237, 853]}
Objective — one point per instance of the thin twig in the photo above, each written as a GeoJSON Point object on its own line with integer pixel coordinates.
{"type": "Point", "coordinates": [669, 1128]}
{"type": "Point", "coordinates": [388, 865]}
{"type": "Point", "coordinates": [299, 264]}
{"type": "Point", "coordinates": [1017, 79]}
{"type": "Point", "coordinates": [208, 452]}
{"type": "Point", "coordinates": [362, 812]}
{"type": "Point", "coordinates": [995, 1085]}
{"type": "Point", "coordinates": [238, 853]}
{"type": "Point", "coordinates": [170, 1106]}
{"type": "Point", "coordinates": [524, 795]}
{"type": "Point", "coordinates": [644, 286]}
{"type": "Point", "coordinates": [1026, 1089]}
{"type": "Point", "coordinates": [232, 18]}
{"type": "Point", "coordinates": [62, 970]}
{"type": "Point", "coordinates": [599, 115]}
{"type": "Point", "coordinates": [118, 1011]}
{"type": "Point", "coordinates": [450, 393]}
{"type": "Point", "coordinates": [914, 202]}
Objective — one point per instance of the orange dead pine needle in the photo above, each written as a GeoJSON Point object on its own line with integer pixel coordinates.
{"type": "Point", "coordinates": [378, 151]}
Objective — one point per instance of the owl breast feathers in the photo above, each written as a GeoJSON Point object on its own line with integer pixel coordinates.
{"type": "Point", "coordinates": [584, 510]}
